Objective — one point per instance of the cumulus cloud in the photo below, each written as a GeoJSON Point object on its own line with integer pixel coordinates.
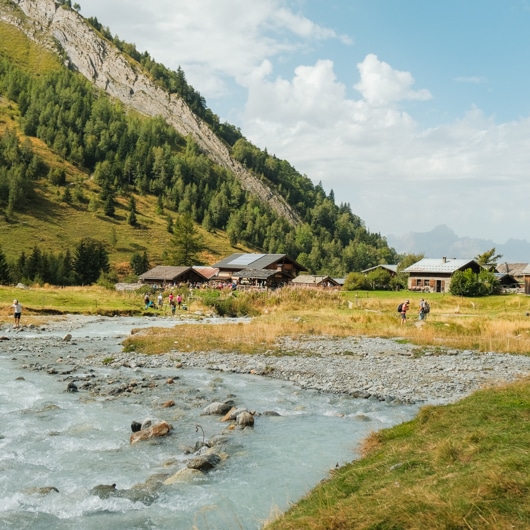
{"type": "Point", "coordinates": [381, 85]}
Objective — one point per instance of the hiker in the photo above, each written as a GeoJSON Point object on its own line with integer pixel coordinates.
{"type": "Point", "coordinates": [404, 308]}
{"type": "Point", "coordinates": [424, 309]}
{"type": "Point", "coordinates": [160, 301]}
{"type": "Point", "coordinates": [179, 300]}
{"type": "Point", "coordinates": [17, 308]}
{"type": "Point", "coordinates": [147, 301]}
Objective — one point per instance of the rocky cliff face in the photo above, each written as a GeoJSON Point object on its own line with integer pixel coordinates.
{"type": "Point", "coordinates": [104, 65]}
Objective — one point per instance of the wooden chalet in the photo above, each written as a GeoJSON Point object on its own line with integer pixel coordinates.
{"type": "Point", "coordinates": [391, 269]}
{"type": "Point", "coordinates": [261, 278]}
{"type": "Point", "coordinates": [513, 269]}
{"type": "Point", "coordinates": [285, 268]}
{"type": "Point", "coordinates": [526, 276]}
{"type": "Point", "coordinates": [308, 280]}
{"type": "Point", "coordinates": [164, 275]}
{"type": "Point", "coordinates": [434, 275]}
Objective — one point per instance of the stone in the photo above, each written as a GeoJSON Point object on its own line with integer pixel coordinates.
{"type": "Point", "coordinates": [245, 419]}
{"type": "Point", "coordinates": [204, 462]}
{"type": "Point", "coordinates": [157, 430]}
{"type": "Point", "coordinates": [186, 474]}
{"type": "Point", "coordinates": [217, 409]}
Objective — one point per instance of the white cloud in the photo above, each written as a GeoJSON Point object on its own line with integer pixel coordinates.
{"type": "Point", "coordinates": [381, 85]}
{"type": "Point", "coordinates": [377, 158]}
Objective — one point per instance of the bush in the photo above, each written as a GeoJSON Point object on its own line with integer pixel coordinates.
{"type": "Point", "coordinates": [469, 283]}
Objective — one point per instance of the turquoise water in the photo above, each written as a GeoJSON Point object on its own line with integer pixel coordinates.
{"type": "Point", "coordinates": [74, 441]}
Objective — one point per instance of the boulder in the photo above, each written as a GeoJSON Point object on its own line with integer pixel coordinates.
{"type": "Point", "coordinates": [186, 474]}
{"type": "Point", "coordinates": [217, 409]}
{"type": "Point", "coordinates": [154, 431]}
{"type": "Point", "coordinates": [72, 387]}
{"type": "Point", "coordinates": [136, 426]}
{"type": "Point", "coordinates": [43, 490]}
{"type": "Point", "coordinates": [245, 419]}
{"type": "Point", "coordinates": [104, 491]}
{"type": "Point", "coordinates": [204, 462]}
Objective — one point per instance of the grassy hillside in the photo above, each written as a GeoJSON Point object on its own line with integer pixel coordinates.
{"type": "Point", "coordinates": [54, 225]}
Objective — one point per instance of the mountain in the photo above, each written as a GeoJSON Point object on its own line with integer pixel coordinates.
{"type": "Point", "coordinates": [443, 241]}
{"type": "Point", "coordinates": [94, 134]}
{"type": "Point", "coordinates": [106, 67]}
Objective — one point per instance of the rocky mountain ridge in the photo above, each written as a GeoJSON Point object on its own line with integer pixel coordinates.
{"type": "Point", "coordinates": [64, 31]}
{"type": "Point", "coordinates": [443, 241]}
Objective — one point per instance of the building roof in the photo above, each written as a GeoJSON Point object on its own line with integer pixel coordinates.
{"type": "Point", "coordinates": [167, 273]}
{"type": "Point", "coordinates": [255, 274]}
{"type": "Point", "coordinates": [441, 265]}
{"type": "Point", "coordinates": [308, 279]}
{"type": "Point", "coordinates": [526, 271]}
{"type": "Point", "coordinates": [391, 268]}
{"type": "Point", "coordinates": [515, 269]}
{"type": "Point", "coordinates": [207, 272]}
{"type": "Point", "coordinates": [237, 262]}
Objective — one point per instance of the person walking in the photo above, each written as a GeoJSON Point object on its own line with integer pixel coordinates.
{"type": "Point", "coordinates": [17, 309]}
{"type": "Point", "coordinates": [425, 308]}
{"type": "Point", "coordinates": [422, 307]}
{"type": "Point", "coordinates": [404, 308]}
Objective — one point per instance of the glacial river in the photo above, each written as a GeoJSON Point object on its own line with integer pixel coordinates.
{"type": "Point", "coordinates": [56, 446]}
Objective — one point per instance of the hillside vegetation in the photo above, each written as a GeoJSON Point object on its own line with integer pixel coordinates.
{"type": "Point", "coordinates": [86, 165]}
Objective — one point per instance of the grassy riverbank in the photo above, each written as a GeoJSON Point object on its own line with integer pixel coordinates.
{"type": "Point", "coordinates": [460, 466]}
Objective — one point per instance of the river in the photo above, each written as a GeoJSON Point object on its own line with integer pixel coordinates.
{"type": "Point", "coordinates": [57, 446]}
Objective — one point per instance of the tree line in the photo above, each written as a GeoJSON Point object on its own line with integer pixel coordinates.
{"type": "Point", "coordinates": [84, 266]}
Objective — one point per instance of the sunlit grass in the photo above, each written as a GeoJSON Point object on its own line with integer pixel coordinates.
{"type": "Point", "coordinates": [497, 324]}
{"type": "Point", "coordinates": [460, 466]}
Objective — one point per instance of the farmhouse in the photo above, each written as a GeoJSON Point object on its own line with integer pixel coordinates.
{"type": "Point", "coordinates": [526, 276]}
{"type": "Point", "coordinates": [308, 280]}
{"type": "Point", "coordinates": [285, 268]}
{"type": "Point", "coordinates": [513, 269]}
{"type": "Point", "coordinates": [391, 269]}
{"type": "Point", "coordinates": [434, 275]}
{"type": "Point", "coordinates": [163, 275]}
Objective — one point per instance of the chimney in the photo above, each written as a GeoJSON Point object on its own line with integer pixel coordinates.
{"type": "Point", "coordinates": [444, 260]}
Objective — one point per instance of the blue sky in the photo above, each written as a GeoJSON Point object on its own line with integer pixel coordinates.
{"type": "Point", "coordinates": [415, 112]}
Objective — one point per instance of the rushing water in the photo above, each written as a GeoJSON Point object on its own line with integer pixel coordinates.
{"type": "Point", "coordinates": [75, 441]}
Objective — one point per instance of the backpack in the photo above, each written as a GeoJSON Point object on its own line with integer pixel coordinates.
{"type": "Point", "coordinates": [400, 308]}
{"type": "Point", "coordinates": [426, 307]}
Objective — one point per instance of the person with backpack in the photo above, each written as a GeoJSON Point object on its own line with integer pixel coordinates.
{"type": "Point", "coordinates": [424, 309]}
{"type": "Point", "coordinates": [402, 310]}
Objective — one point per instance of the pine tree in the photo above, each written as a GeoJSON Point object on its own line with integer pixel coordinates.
{"type": "Point", "coordinates": [5, 272]}
{"type": "Point", "coordinates": [186, 243]}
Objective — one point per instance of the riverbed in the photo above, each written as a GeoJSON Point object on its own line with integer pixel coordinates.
{"type": "Point", "coordinates": [66, 456]}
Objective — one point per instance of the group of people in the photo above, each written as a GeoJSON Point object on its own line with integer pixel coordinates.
{"type": "Point", "coordinates": [422, 313]}
{"type": "Point", "coordinates": [173, 302]}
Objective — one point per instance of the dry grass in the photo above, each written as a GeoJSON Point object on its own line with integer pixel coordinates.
{"type": "Point", "coordinates": [495, 324]}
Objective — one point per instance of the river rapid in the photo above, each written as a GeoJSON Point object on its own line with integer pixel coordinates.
{"type": "Point", "coordinates": [66, 460]}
